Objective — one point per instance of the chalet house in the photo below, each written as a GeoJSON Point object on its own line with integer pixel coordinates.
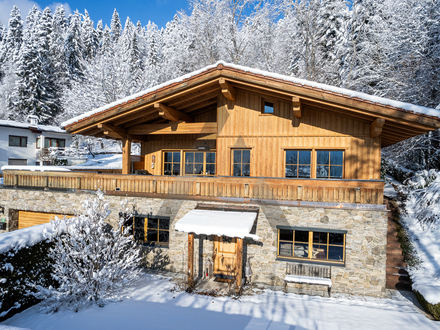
{"type": "Point", "coordinates": [21, 142]}
{"type": "Point", "coordinates": [248, 172]}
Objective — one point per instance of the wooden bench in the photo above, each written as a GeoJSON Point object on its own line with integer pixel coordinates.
{"type": "Point", "coordinates": [308, 274]}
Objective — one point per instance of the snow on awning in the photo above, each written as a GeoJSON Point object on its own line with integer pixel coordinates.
{"type": "Point", "coordinates": [210, 222]}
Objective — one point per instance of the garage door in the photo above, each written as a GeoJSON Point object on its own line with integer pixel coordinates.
{"type": "Point", "coordinates": [28, 219]}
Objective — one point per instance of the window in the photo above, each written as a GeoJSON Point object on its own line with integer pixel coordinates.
{"type": "Point", "coordinates": [46, 163]}
{"type": "Point", "coordinates": [151, 229]}
{"type": "Point", "coordinates": [12, 161]}
{"type": "Point", "coordinates": [199, 163]}
{"type": "Point", "coordinates": [298, 163]}
{"type": "Point", "coordinates": [17, 141]}
{"type": "Point", "coordinates": [313, 244]}
{"type": "Point", "coordinates": [38, 143]}
{"type": "Point", "coordinates": [171, 163]}
{"type": "Point", "coordinates": [267, 107]}
{"type": "Point", "coordinates": [241, 162]}
{"type": "Point", "coordinates": [329, 164]}
{"type": "Point", "coordinates": [54, 143]}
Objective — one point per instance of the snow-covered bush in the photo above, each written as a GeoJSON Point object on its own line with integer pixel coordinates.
{"type": "Point", "coordinates": [20, 265]}
{"type": "Point", "coordinates": [91, 259]}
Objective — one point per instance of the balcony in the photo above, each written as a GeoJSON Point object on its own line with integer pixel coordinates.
{"type": "Point", "coordinates": [300, 192]}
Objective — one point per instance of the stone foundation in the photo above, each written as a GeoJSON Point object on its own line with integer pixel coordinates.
{"type": "Point", "coordinates": [363, 273]}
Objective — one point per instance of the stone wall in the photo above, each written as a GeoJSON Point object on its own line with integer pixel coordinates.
{"type": "Point", "coordinates": [363, 273]}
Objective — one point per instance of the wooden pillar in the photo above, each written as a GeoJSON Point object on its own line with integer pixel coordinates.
{"type": "Point", "coordinates": [190, 259]}
{"type": "Point", "coordinates": [126, 155]}
{"type": "Point", "coordinates": [239, 263]}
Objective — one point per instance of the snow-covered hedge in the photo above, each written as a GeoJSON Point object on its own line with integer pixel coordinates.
{"type": "Point", "coordinates": [23, 259]}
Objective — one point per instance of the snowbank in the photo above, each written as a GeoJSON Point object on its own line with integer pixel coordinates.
{"type": "Point", "coordinates": [18, 239]}
{"type": "Point", "coordinates": [303, 82]}
{"type": "Point", "coordinates": [423, 225]}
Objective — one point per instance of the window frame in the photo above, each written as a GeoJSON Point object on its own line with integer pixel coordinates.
{"type": "Point", "coordinates": [298, 164]}
{"type": "Point", "coordinates": [241, 163]}
{"type": "Point", "coordinates": [309, 258]}
{"type": "Point", "coordinates": [144, 228]}
{"type": "Point", "coordinates": [204, 152]}
{"type": "Point", "coordinates": [263, 106]}
{"type": "Point", "coordinates": [163, 162]}
{"type": "Point", "coordinates": [57, 142]}
{"type": "Point", "coordinates": [23, 159]}
{"type": "Point", "coordinates": [329, 164]}
{"type": "Point", "coordinates": [21, 141]}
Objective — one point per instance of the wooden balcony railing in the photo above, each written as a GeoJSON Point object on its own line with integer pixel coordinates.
{"type": "Point", "coordinates": [282, 189]}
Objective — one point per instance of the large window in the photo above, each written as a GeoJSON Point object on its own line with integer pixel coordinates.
{"type": "Point", "coordinates": [199, 163]}
{"type": "Point", "coordinates": [312, 244]}
{"type": "Point", "coordinates": [171, 163]}
{"type": "Point", "coordinates": [54, 143]}
{"type": "Point", "coordinates": [329, 164]}
{"type": "Point", "coordinates": [13, 161]}
{"type": "Point", "coordinates": [17, 141]}
{"type": "Point", "coordinates": [241, 162]}
{"type": "Point", "coordinates": [298, 163]}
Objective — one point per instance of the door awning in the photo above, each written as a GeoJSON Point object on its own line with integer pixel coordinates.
{"type": "Point", "coordinates": [211, 222]}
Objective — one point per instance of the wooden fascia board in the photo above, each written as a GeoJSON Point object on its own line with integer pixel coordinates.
{"type": "Point", "coordinates": [133, 107]}
{"type": "Point", "coordinates": [174, 128]}
{"type": "Point", "coordinates": [227, 90]}
{"type": "Point", "coordinates": [350, 104]}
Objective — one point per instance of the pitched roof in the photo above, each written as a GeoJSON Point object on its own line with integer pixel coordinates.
{"type": "Point", "coordinates": [45, 128]}
{"type": "Point", "coordinates": [346, 93]}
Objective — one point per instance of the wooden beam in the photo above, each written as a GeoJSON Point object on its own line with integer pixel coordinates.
{"type": "Point", "coordinates": [126, 155]}
{"type": "Point", "coordinates": [239, 264]}
{"type": "Point", "coordinates": [190, 260]}
{"type": "Point", "coordinates": [113, 131]}
{"type": "Point", "coordinates": [172, 114]}
{"type": "Point", "coordinates": [296, 102]}
{"type": "Point", "coordinates": [194, 99]}
{"type": "Point", "coordinates": [227, 89]}
{"type": "Point", "coordinates": [174, 128]}
{"type": "Point", "coordinates": [376, 127]}
{"type": "Point", "coordinates": [200, 105]}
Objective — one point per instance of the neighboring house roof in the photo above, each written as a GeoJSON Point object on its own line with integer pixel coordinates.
{"type": "Point", "coordinates": [408, 118]}
{"type": "Point", "coordinates": [43, 128]}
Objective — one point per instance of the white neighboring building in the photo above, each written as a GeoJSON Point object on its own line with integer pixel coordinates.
{"type": "Point", "coordinates": [20, 142]}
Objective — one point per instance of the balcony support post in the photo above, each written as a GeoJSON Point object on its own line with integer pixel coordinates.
{"type": "Point", "coordinates": [126, 155]}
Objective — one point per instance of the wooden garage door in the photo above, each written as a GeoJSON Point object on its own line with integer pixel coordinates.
{"type": "Point", "coordinates": [28, 219]}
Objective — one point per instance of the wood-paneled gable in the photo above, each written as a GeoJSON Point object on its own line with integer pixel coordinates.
{"type": "Point", "coordinates": [242, 125]}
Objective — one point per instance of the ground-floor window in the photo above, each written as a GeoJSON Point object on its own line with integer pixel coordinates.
{"type": "Point", "coordinates": [150, 229]}
{"type": "Point", "coordinates": [14, 161]}
{"type": "Point", "coordinates": [312, 244]}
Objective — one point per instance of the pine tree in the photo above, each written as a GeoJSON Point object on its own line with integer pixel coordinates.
{"type": "Point", "coordinates": [90, 37]}
{"type": "Point", "coordinates": [14, 38]}
{"type": "Point", "coordinates": [116, 26]}
{"type": "Point", "coordinates": [74, 49]}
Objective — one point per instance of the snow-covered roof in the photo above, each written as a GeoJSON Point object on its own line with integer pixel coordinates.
{"type": "Point", "coordinates": [397, 105]}
{"type": "Point", "coordinates": [45, 128]}
{"type": "Point", "coordinates": [211, 222]}
{"type": "Point", "coordinates": [35, 168]}
{"type": "Point", "coordinates": [99, 162]}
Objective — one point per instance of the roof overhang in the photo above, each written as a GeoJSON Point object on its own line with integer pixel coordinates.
{"type": "Point", "coordinates": [176, 101]}
{"type": "Point", "coordinates": [220, 223]}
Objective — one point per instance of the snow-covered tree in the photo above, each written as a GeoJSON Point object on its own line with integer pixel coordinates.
{"type": "Point", "coordinates": [74, 48]}
{"type": "Point", "coordinates": [91, 259]}
{"type": "Point", "coordinates": [90, 37]}
{"type": "Point", "coordinates": [14, 38]}
{"type": "Point", "coordinates": [116, 26]}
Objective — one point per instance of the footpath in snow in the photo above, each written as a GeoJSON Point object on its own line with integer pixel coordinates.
{"type": "Point", "coordinates": [151, 305]}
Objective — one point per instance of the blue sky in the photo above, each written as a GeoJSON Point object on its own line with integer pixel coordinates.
{"type": "Point", "coordinates": [157, 11]}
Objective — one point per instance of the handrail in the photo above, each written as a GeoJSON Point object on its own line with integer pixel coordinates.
{"type": "Point", "coordinates": [339, 191]}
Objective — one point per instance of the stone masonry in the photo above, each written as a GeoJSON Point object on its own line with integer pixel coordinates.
{"type": "Point", "coordinates": [363, 274]}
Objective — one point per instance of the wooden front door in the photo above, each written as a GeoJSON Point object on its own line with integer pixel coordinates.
{"type": "Point", "coordinates": [225, 255]}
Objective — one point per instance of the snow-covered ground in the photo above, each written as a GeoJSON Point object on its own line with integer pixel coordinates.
{"type": "Point", "coordinates": [103, 161]}
{"type": "Point", "coordinates": [425, 235]}
{"type": "Point", "coordinates": [151, 305]}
